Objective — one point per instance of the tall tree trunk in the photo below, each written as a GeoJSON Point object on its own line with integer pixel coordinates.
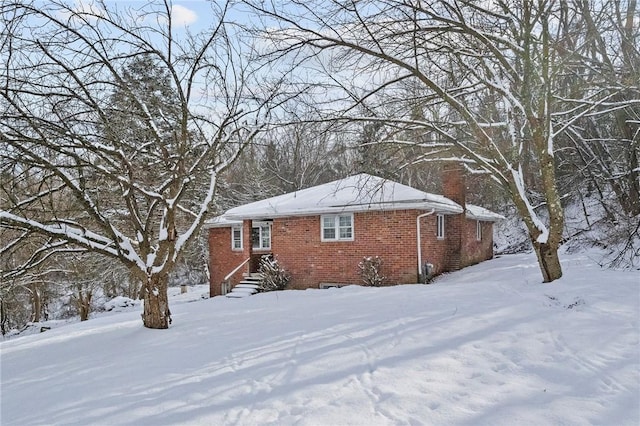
{"type": "Point", "coordinates": [36, 303]}
{"type": "Point", "coordinates": [156, 312]}
{"type": "Point", "coordinates": [4, 319]}
{"type": "Point", "coordinates": [547, 247]}
{"type": "Point", "coordinates": [548, 260]}
{"type": "Point", "coordinates": [547, 251]}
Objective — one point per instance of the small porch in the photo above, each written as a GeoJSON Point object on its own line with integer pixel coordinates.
{"type": "Point", "coordinates": [250, 240]}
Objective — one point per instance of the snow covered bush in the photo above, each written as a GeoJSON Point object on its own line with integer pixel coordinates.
{"type": "Point", "coordinates": [369, 269]}
{"type": "Point", "coordinates": [274, 277]}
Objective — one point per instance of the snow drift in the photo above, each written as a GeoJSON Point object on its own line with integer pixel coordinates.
{"type": "Point", "coordinates": [486, 345]}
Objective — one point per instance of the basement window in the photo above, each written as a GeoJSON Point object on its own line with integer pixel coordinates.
{"type": "Point", "coordinates": [440, 227]}
{"type": "Point", "coordinates": [336, 227]}
{"type": "Point", "coordinates": [236, 238]}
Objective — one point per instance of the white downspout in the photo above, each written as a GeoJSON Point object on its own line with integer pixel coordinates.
{"type": "Point", "coordinates": [418, 239]}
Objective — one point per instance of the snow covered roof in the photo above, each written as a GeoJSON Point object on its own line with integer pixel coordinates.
{"type": "Point", "coordinates": [480, 213]}
{"type": "Point", "coordinates": [358, 193]}
{"type": "Point", "coordinates": [221, 222]}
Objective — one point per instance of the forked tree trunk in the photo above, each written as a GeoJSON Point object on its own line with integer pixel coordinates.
{"type": "Point", "coordinates": [549, 261]}
{"type": "Point", "coordinates": [156, 312]}
{"type": "Point", "coordinates": [547, 252]}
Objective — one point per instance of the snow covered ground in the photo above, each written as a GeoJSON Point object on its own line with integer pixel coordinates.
{"type": "Point", "coordinates": [489, 345]}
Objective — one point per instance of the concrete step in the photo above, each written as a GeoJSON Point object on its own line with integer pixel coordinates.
{"type": "Point", "coordinates": [249, 285]}
{"type": "Point", "coordinates": [244, 290]}
{"type": "Point", "coordinates": [250, 281]}
{"type": "Point", "coordinates": [246, 284]}
{"type": "Point", "coordinates": [253, 276]}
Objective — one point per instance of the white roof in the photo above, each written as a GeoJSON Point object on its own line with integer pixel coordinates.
{"type": "Point", "coordinates": [480, 213]}
{"type": "Point", "coordinates": [357, 193]}
{"type": "Point", "coordinates": [221, 222]}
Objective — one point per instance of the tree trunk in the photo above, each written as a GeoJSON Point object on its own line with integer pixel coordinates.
{"type": "Point", "coordinates": [36, 303]}
{"type": "Point", "coordinates": [84, 304]}
{"type": "Point", "coordinates": [84, 312]}
{"type": "Point", "coordinates": [549, 261]}
{"type": "Point", "coordinates": [3, 318]}
{"type": "Point", "coordinates": [156, 302]}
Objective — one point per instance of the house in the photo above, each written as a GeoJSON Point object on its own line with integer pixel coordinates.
{"type": "Point", "coordinates": [320, 234]}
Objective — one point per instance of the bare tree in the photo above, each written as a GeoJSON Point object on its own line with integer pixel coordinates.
{"type": "Point", "coordinates": [487, 73]}
{"type": "Point", "coordinates": [298, 154]}
{"type": "Point", "coordinates": [141, 173]}
{"type": "Point", "coordinates": [303, 154]}
{"type": "Point", "coordinates": [604, 148]}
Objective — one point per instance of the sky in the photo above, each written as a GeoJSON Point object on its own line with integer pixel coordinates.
{"type": "Point", "coordinates": [194, 14]}
{"type": "Point", "coordinates": [487, 345]}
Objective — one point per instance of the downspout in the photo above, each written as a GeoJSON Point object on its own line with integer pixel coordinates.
{"type": "Point", "coordinates": [418, 242]}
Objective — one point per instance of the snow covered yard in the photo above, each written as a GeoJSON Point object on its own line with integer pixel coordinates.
{"type": "Point", "coordinates": [489, 345]}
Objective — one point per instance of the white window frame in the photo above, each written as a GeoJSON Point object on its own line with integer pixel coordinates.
{"type": "Point", "coordinates": [261, 238]}
{"type": "Point", "coordinates": [440, 226]}
{"type": "Point", "coordinates": [478, 230]}
{"type": "Point", "coordinates": [335, 218]}
{"type": "Point", "coordinates": [233, 240]}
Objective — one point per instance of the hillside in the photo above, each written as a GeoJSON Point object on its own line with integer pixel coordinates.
{"type": "Point", "coordinates": [486, 345]}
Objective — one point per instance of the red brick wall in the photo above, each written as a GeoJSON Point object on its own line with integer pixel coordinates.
{"type": "Point", "coordinates": [390, 235]}
{"type": "Point", "coordinates": [434, 251]}
{"type": "Point", "coordinates": [475, 251]}
{"type": "Point", "coordinates": [454, 188]}
{"type": "Point", "coordinates": [223, 260]}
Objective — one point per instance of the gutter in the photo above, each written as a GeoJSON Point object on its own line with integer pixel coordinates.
{"type": "Point", "coordinates": [349, 208]}
{"type": "Point", "coordinates": [418, 242]}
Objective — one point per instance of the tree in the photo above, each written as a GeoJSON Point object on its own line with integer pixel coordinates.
{"type": "Point", "coordinates": [293, 156]}
{"type": "Point", "coordinates": [78, 118]}
{"type": "Point", "coordinates": [487, 72]}
{"type": "Point", "coordinates": [604, 148]}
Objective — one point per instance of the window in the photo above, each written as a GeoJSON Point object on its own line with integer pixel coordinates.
{"type": "Point", "coordinates": [261, 236]}
{"type": "Point", "coordinates": [236, 238]}
{"type": "Point", "coordinates": [440, 226]}
{"type": "Point", "coordinates": [337, 227]}
{"type": "Point", "coordinates": [478, 230]}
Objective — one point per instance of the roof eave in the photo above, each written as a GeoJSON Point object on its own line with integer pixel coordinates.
{"type": "Point", "coordinates": [485, 218]}
{"type": "Point", "coordinates": [220, 222]}
{"type": "Point", "coordinates": [439, 208]}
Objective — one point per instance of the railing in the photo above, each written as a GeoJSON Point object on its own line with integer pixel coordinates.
{"type": "Point", "coordinates": [230, 274]}
{"type": "Point", "coordinates": [226, 284]}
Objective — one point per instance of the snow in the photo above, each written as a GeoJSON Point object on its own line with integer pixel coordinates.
{"type": "Point", "coordinates": [360, 192]}
{"type": "Point", "coordinates": [488, 345]}
{"type": "Point", "coordinates": [480, 213]}
{"type": "Point", "coordinates": [221, 222]}
{"type": "Point", "coordinates": [518, 179]}
{"type": "Point", "coordinates": [119, 303]}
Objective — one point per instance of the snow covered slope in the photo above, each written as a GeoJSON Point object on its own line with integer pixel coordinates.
{"type": "Point", "coordinates": [489, 345]}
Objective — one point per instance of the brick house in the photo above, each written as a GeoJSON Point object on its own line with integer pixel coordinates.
{"type": "Point", "coordinates": [320, 234]}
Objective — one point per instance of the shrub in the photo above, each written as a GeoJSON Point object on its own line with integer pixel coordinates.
{"type": "Point", "coordinates": [369, 269]}
{"type": "Point", "coordinates": [274, 277]}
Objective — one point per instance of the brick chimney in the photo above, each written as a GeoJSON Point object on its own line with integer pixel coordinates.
{"type": "Point", "coordinates": [454, 184]}
{"type": "Point", "coordinates": [454, 187]}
